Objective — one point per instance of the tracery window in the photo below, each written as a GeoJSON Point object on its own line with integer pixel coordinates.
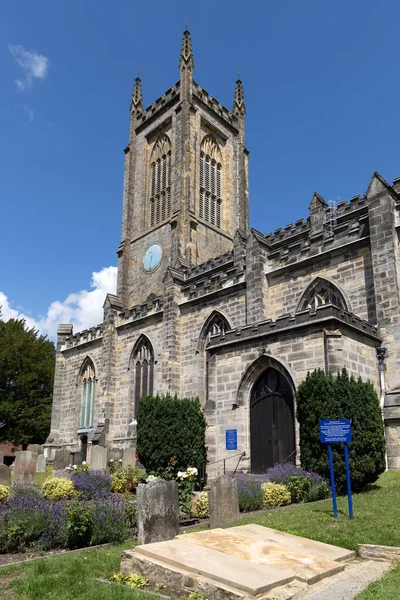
{"type": "Point", "coordinates": [322, 292]}
{"type": "Point", "coordinates": [160, 180]}
{"type": "Point", "coordinates": [216, 324]}
{"type": "Point", "coordinates": [143, 363]}
{"type": "Point", "coordinates": [210, 181]}
{"type": "Point", "coordinates": [88, 380]}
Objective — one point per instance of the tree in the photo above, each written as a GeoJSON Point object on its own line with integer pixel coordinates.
{"type": "Point", "coordinates": [323, 396]}
{"type": "Point", "coordinates": [26, 383]}
{"type": "Point", "coordinates": [171, 434]}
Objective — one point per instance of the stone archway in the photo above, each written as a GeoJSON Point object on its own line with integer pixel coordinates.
{"type": "Point", "coordinates": [272, 429]}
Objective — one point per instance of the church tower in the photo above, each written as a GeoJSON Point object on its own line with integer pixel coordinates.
{"type": "Point", "coordinates": [185, 182]}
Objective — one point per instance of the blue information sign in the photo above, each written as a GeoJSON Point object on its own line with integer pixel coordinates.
{"type": "Point", "coordinates": [231, 439]}
{"type": "Point", "coordinates": [333, 432]}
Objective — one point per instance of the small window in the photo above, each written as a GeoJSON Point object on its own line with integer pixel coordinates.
{"type": "Point", "coordinates": [320, 293]}
{"type": "Point", "coordinates": [143, 364]}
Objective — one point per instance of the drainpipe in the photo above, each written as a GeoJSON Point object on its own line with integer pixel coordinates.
{"type": "Point", "coordinates": [382, 353]}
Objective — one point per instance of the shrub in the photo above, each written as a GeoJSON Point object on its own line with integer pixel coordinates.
{"type": "Point", "coordinates": [200, 506]}
{"type": "Point", "coordinates": [58, 488]}
{"type": "Point", "coordinates": [275, 494]}
{"type": "Point", "coordinates": [23, 519]}
{"type": "Point", "coordinates": [323, 396]}
{"type": "Point", "coordinates": [91, 484]}
{"type": "Point", "coordinates": [167, 428]}
{"type": "Point", "coordinates": [26, 489]}
{"type": "Point", "coordinates": [250, 492]}
{"type": "Point", "coordinates": [299, 487]}
{"type": "Point", "coordinates": [127, 480]}
{"type": "Point", "coordinates": [282, 473]}
{"type": "Point", "coordinates": [186, 484]}
{"type": "Point", "coordinates": [4, 493]}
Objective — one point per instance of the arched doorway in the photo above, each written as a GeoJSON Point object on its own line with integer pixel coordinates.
{"type": "Point", "coordinates": [272, 438]}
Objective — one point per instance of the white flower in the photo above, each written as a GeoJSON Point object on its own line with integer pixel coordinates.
{"type": "Point", "coordinates": [84, 462]}
{"type": "Point", "coordinates": [151, 478]}
{"type": "Point", "coordinates": [192, 471]}
{"type": "Point", "coordinates": [182, 474]}
{"type": "Point", "coordinates": [111, 460]}
{"type": "Point", "coordinates": [75, 466]}
{"type": "Point", "coordinates": [120, 460]}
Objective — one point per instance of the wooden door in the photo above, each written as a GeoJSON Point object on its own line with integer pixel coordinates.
{"type": "Point", "coordinates": [271, 422]}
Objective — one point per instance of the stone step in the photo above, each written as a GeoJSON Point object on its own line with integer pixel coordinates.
{"type": "Point", "coordinates": [264, 551]}
{"type": "Point", "coordinates": [217, 566]}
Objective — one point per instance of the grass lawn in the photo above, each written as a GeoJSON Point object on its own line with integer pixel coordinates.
{"type": "Point", "coordinates": [68, 577]}
{"type": "Point", "coordinates": [41, 476]}
{"type": "Point", "coordinates": [376, 517]}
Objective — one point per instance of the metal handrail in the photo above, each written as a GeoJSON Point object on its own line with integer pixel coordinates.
{"type": "Point", "coordinates": [240, 454]}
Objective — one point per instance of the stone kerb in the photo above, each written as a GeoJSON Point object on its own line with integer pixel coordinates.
{"type": "Point", "coordinates": [5, 475]}
{"type": "Point", "coordinates": [157, 511]}
{"type": "Point", "coordinates": [61, 459]}
{"type": "Point", "coordinates": [25, 467]}
{"type": "Point", "coordinates": [41, 463]}
{"type": "Point", "coordinates": [98, 458]}
{"type": "Point", "coordinates": [223, 502]}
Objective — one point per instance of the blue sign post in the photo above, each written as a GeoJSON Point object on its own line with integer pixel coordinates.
{"type": "Point", "coordinates": [231, 439]}
{"type": "Point", "coordinates": [337, 432]}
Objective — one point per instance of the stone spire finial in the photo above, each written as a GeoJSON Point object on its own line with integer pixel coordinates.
{"type": "Point", "coordinates": [186, 58]}
{"type": "Point", "coordinates": [137, 97]}
{"type": "Point", "coordinates": [239, 108]}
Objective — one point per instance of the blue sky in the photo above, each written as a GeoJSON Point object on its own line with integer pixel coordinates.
{"type": "Point", "coordinates": [321, 84]}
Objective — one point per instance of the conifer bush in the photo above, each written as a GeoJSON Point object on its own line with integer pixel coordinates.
{"type": "Point", "coordinates": [171, 435]}
{"type": "Point", "coordinates": [323, 396]}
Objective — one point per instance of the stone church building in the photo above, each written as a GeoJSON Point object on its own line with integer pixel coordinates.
{"type": "Point", "coordinates": [208, 307]}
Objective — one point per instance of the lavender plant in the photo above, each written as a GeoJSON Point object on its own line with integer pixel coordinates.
{"type": "Point", "coordinates": [249, 492]}
{"type": "Point", "coordinates": [91, 484]}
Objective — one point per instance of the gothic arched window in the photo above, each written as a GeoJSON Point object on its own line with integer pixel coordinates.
{"type": "Point", "coordinates": [210, 181]}
{"type": "Point", "coordinates": [216, 324]}
{"type": "Point", "coordinates": [160, 180]}
{"type": "Point", "coordinates": [319, 293]}
{"type": "Point", "coordinates": [143, 365]}
{"type": "Point", "coordinates": [88, 381]}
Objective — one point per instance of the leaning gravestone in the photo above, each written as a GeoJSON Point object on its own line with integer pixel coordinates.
{"type": "Point", "coordinates": [128, 458]}
{"type": "Point", "coordinates": [223, 502]}
{"type": "Point", "coordinates": [157, 511]}
{"type": "Point", "coordinates": [98, 458]}
{"type": "Point", "coordinates": [61, 459]}
{"type": "Point", "coordinates": [25, 467]}
{"type": "Point", "coordinates": [35, 448]}
{"type": "Point", "coordinates": [41, 463]}
{"type": "Point", "coordinates": [5, 475]}
{"type": "Point", "coordinates": [78, 458]}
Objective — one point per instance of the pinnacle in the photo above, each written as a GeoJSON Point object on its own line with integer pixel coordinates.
{"type": "Point", "coordinates": [186, 57]}
{"type": "Point", "coordinates": [137, 97]}
{"type": "Point", "coordinates": [238, 98]}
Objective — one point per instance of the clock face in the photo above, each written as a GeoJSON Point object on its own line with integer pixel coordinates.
{"type": "Point", "coordinates": [152, 257]}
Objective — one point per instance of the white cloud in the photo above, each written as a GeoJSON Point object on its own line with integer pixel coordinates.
{"type": "Point", "coordinates": [30, 113]}
{"type": "Point", "coordinates": [34, 65]}
{"type": "Point", "coordinates": [83, 309]}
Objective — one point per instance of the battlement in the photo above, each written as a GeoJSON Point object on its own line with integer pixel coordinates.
{"type": "Point", "coordinates": [301, 319]}
{"type": "Point", "coordinates": [140, 311]}
{"type": "Point", "coordinates": [82, 337]}
{"type": "Point", "coordinates": [210, 101]}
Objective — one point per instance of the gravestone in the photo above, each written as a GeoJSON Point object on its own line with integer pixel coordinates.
{"type": "Point", "coordinates": [157, 511]}
{"type": "Point", "coordinates": [78, 459]}
{"type": "Point", "coordinates": [5, 475]}
{"type": "Point", "coordinates": [35, 448]}
{"type": "Point", "coordinates": [1, 457]}
{"type": "Point", "coordinates": [98, 458]}
{"type": "Point", "coordinates": [223, 502]}
{"type": "Point", "coordinates": [41, 463]}
{"type": "Point", "coordinates": [61, 459]}
{"type": "Point", "coordinates": [128, 457]}
{"type": "Point", "coordinates": [25, 467]}
{"type": "Point", "coordinates": [114, 454]}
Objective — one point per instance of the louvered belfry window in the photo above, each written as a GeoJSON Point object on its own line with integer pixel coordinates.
{"type": "Point", "coordinates": [143, 361]}
{"type": "Point", "coordinates": [210, 181]}
{"type": "Point", "coordinates": [160, 180]}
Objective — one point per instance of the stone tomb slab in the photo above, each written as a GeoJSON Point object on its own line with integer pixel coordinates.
{"type": "Point", "coordinates": [267, 552]}
{"type": "Point", "coordinates": [248, 560]}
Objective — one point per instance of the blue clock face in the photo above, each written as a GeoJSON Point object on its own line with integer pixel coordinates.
{"type": "Point", "coordinates": [152, 257]}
